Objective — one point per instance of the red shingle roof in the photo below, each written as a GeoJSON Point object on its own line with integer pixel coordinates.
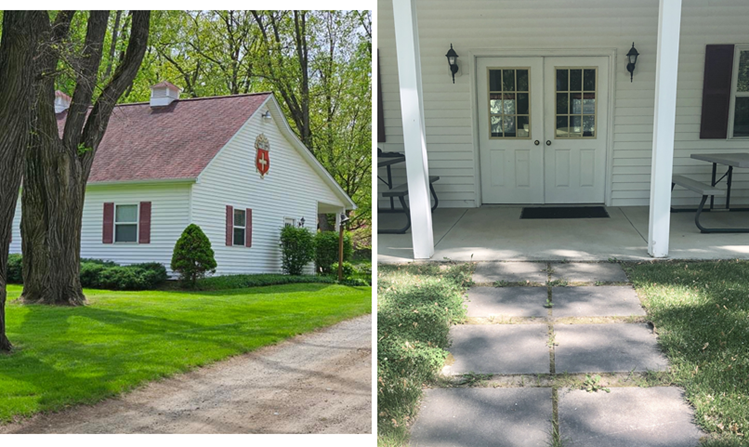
{"type": "Point", "coordinates": [173, 142]}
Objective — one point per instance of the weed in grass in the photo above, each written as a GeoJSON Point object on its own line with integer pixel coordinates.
{"type": "Point", "coordinates": [559, 283]}
{"type": "Point", "coordinates": [474, 379]}
{"type": "Point", "coordinates": [501, 283]}
{"type": "Point", "coordinates": [548, 303]}
{"type": "Point", "coordinates": [556, 438]}
{"type": "Point", "coordinates": [593, 384]}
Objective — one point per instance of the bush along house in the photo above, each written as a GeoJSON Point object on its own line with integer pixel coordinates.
{"type": "Point", "coordinates": [230, 164]}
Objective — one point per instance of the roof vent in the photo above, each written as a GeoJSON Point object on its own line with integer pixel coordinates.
{"type": "Point", "coordinates": [62, 102]}
{"type": "Point", "coordinates": [163, 94]}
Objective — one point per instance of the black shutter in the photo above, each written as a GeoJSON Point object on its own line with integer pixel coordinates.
{"type": "Point", "coordinates": [380, 112]}
{"type": "Point", "coordinates": [716, 91]}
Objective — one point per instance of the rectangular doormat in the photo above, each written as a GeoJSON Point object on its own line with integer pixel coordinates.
{"type": "Point", "coordinates": [564, 212]}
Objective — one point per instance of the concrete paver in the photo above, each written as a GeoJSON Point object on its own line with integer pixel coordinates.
{"type": "Point", "coordinates": [489, 272]}
{"type": "Point", "coordinates": [499, 349]}
{"type": "Point", "coordinates": [615, 347]}
{"type": "Point", "coordinates": [507, 301]}
{"type": "Point", "coordinates": [627, 417]}
{"type": "Point", "coordinates": [592, 301]}
{"type": "Point", "coordinates": [513, 417]}
{"type": "Point", "coordinates": [588, 272]}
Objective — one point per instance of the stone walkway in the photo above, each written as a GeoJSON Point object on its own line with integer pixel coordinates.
{"type": "Point", "coordinates": [535, 333]}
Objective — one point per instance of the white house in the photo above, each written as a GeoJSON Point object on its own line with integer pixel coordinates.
{"type": "Point", "coordinates": [230, 164]}
{"type": "Point", "coordinates": [543, 109]}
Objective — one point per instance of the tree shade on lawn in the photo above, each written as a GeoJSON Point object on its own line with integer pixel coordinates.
{"type": "Point", "coordinates": [70, 355]}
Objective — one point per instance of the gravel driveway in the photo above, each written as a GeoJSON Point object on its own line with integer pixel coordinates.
{"type": "Point", "coordinates": [315, 383]}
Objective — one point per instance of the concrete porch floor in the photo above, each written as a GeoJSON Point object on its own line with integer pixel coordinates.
{"type": "Point", "coordinates": [496, 233]}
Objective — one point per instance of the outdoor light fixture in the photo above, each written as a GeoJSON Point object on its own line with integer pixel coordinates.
{"type": "Point", "coordinates": [632, 56]}
{"type": "Point", "coordinates": [266, 115]}
{"type": "Point", "coordinates": [301, 222]}
{"type": "Point", "coordinates": [452, 61]}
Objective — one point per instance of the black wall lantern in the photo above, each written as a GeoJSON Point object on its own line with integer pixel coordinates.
{"type": "Point", "coordinates": [632, 56]}
{"type": "Point", "coordinates": [452, 61]}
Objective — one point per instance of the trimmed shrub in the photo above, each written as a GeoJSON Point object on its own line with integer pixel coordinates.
{"type": "Point", "coordinates": [347, 269]}
{"type": "Point", "coordinates": [297, 249]}
{"type": "Point", "coordinates": [15, 269]}
{"type": "Point", "coordinates": [326, 250]}
{"type": "Point", "coordinates": [193, 255]}
{"type": "Point", "coordinates": [258, 280]}
{"type": "Point", "coordinates": [90, 272]}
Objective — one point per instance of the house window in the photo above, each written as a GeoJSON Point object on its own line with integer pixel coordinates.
{"type": "Point", "coordinates": [289, 222]}
{"type": "Point", "coordinates": [740, 93]}
{"type": "Point", "coordinates": [240, 227]}
{"type": "Point", "coordinates": [509, 103]}
{"type": "Point", "coordinates": [126, 223]}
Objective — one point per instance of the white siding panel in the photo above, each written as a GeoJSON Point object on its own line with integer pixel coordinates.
{"type": "Point", "coordinates": [544, 24]}
{"type": "Point", "coordinates": [290, 189]}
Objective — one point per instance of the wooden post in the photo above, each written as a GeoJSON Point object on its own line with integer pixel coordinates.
{"type": "Point", "coordinates": [340, 253]}
{"type": "Point", "coordinates": [666, 73]}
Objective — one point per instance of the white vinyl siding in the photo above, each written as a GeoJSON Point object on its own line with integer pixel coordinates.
{"type": "Point", "coordinates": [473, 26]}
{"type": "Point", "coordinates": [291, 188]}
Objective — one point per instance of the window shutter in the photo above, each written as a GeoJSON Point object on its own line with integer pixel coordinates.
{"type": "Point", "coordinates": [716, 91]}
{"type": "Point", "coordinates": [380, 109]}
{"type": "Point", "coordinates": [248, 228]}
{"type": "Point", "coordinates": [229, 225]}
{"type": "Point", "coordinates": [144, 223]}
{"type": "Point", "coordinates": [107, 231]}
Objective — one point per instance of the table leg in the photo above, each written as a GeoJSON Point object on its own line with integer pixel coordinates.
{"type": "Point", "coordinates": [712, 198]}
{"type": "Point", "coordinates": [728, 191]}
{"type": "Point", "coordinates": [390, 186]}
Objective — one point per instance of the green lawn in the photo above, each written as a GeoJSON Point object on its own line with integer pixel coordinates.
{"type": "Point", "coordinates": [701, 313]}
{"type": "Point", "coordinates": [66, 356]}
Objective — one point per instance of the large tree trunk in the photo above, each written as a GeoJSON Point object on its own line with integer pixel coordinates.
{"type": "Point", "coordinates": [58, 168]}
{"type": "Point", "coordinates": [17, 76]}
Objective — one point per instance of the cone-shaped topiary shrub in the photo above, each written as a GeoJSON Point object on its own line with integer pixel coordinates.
{"type": "Point", "coordinates": [193, 256]}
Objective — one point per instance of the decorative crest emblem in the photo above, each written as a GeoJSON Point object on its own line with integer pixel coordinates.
{"type": "Point", "coordinates": [262, 157]}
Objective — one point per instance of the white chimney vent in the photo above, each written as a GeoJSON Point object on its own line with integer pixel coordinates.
{"type": "Point", "coordinates": [62, 102]}
{"type": "Point", "coordinates": [163, 94]}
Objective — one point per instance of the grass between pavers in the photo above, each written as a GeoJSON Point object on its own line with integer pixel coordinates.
{"type": "Point", "coordinates": [701, 314]}
{"type": "Point", "coordinates": [417, 304]}
{"type": "Point", "coordinates": [71, 355]}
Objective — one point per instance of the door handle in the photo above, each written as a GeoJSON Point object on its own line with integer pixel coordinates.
{"type": "Point", "coordinates": [548, 142]}
{"type": "Point", "coordinates": [536, 142]}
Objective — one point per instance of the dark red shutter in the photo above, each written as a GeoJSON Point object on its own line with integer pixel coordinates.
{"type": "Point", "coordinates": [144, 223]}
{"type": "Point", "coordinates": [716, 91]}
{"type": "Point", "coordinates": [107, 230]}
{"type": "Point", "coordinates": [380, 109]}
{"type": "Point", "coordinates": [248, 228]}
{"type": "Point", "coordinates": [229, 224]}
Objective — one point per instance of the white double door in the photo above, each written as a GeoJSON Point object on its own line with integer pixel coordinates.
{"type": "Point", "coordinates": [543, 125]}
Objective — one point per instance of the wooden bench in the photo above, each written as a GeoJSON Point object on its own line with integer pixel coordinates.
{"type": "Point", "coordinates": [401, 191]}
{"type": "Point", "coordinates": [705, 190]}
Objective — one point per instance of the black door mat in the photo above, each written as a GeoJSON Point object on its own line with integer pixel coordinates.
{"type": "Point", "coordinates": [564, 212]}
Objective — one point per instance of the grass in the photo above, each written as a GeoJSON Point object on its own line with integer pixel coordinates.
{"type": "Point", "coordinates": [701, 313]}
{"type": "Point", "coordinates": [71, 355]}
{"type": "Point", "coordinates": [417, 303]}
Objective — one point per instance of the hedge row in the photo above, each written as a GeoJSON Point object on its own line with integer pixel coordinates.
{"type": "Point", "coordinates": [99, 274]}
{"type": "Point", "coordinates": [417, 306]}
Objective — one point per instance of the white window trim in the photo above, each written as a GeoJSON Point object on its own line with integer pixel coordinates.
{"type": "Point", "coordinates": [137, 224]}
{"type": "Point", "coordinates": [289, 221]}
{"type": "Point", "coordinates": [734, 94]}
{"type": "Point", "coordinates": [234, 226]}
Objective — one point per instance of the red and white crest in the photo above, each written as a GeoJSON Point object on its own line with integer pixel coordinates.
{"type": "Point", "coordinates": [262, 157]}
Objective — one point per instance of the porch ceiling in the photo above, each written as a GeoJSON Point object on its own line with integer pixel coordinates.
{"type": "Point", "coordinates": [497, 234]}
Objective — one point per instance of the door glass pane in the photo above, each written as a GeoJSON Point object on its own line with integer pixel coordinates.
{"type": "Point", "coordinates": [495, 80]}
{"type": "Point", "coordinates": [563, 106]}
{"type": "Point", "coordinates": [576, 80]}
{"type": "Point", "coordinates": [508, 80]}
{"type": "Point", "coordinates": [742, 84]}
{"type": "Point", "coordinates": [576, 111]}
{"type": "Point", "coordinates": [522, 80]}
{"type": "Point", "coordinates": [562, 81]}
{"type": "Point", "coordinates": [523, 126]}
{"type": "Point", "coordinates": [741, 118]}
{"type": "Point", "coordinates": [126, 213]}
{"type": "Point", "coordinates": [589, 80]}
{"type": "Point", "coordinates": [125, 233]}
{"type": "Point", "coordinates": [522, 103]}
{"type": "Point", "coordinates": [509, 111]}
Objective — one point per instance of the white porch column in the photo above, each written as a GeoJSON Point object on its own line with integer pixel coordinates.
{"type": "Point", "coordinates": [667, 67]}
{"type": "Point", "coordinates": [414, 134]}
{"type": "Point", "coordinates": [338, 220]}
